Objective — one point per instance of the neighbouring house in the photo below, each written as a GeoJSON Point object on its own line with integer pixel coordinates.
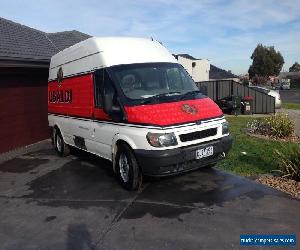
{"type": "Point", "coordinates": [216, 73]}
{"type": "Point", "coordinates": [291, 75]}
{"type": "Point", "coordinates": [197, 68]}
{"type": "Point", "coordinates": [24, 61]}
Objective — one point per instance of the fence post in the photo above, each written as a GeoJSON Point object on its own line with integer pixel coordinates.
{"type": "Point", "coordinates": [217, 90]}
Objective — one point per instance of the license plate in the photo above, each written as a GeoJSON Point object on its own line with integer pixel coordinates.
{"type": "Point", "coordinates": [204, 152]}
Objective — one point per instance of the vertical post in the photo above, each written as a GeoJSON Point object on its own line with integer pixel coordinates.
{"type": "Point", "coordinates": [217, 90]}
{"type": "Point", "coordinates": [266, 101]}
{"type": "Point", "coordinates": [255, 101]}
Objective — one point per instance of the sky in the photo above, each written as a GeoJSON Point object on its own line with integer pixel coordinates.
{"type": "Point", "coordinates": [223, 31]}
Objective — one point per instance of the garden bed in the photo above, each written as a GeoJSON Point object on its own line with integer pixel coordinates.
{"type": "Point", "coordinates": [255, 155]}
{"type": "Point", "coordinates": [252, 155]}
{"type": "Point", "coordinates": [293, 138]}
{"type": "Point", "coordinates": [280, 183]}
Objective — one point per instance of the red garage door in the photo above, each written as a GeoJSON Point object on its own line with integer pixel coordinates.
{"type": "Point", "coordinates": [23, 107]}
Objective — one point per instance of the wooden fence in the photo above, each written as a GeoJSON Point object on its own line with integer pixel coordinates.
{"type": "Point", "coordinates": [262, 103]}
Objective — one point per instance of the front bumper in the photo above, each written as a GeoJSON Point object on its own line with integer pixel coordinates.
{"type": "Point", "coordinates": [173, 161]}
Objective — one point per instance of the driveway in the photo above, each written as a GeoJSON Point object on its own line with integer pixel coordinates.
{"type": "Point", "coordinates": [75, 203]}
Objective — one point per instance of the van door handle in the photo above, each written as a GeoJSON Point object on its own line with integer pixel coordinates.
{"type": "Point", "coordinates": [85, 128]}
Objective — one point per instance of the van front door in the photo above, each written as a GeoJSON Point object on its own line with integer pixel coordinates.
{"type": "Point", "coordinates": [104, 129]}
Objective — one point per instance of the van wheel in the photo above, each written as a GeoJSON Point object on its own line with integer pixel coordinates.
{"type": "Point", "coordinates": [127, 169]}
{"type": "Point", "coordinates": [59, 144]}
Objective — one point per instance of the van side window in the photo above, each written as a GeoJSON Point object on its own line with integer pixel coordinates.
{"type": "Point", "coordinates": [102, 83]}
{"type": "Point", "coordinates": [98, 87]}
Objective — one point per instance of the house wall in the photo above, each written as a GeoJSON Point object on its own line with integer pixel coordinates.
{"type": "Point", "coordinates": [201, 70]}
{"type": "Point", "coordinates": [23, 107]}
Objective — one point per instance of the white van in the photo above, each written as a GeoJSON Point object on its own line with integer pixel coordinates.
{"type": "Point", "coordinates": [129, 101]}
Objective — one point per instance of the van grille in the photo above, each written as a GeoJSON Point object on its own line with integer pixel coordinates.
{"type": "Point", "coordinates": [198, 135]}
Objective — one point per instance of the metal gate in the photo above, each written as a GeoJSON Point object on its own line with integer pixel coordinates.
{"type": "Point", "coordinates": [262, 103]}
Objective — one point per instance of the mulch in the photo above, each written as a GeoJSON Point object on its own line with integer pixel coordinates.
{"type": "Point", "coordinates": [283, 184]}
{"type": "Point", "coordinates": [293, 138]}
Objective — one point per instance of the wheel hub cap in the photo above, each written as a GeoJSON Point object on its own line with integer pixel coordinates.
{"type": "Point", "coordinates": [58, 143]}
{"type": "Point", "coordinates": [124, 167]}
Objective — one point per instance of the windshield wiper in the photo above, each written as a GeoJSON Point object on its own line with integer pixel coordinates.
{"type": "Point", "coordinates": [190, 93]}
{"type": "Point", "coordinates": [158, 96]}
{"type": "Point", "coordinates": [165, 94]}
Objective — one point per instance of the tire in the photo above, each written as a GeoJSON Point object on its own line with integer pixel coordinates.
{"type": "Point", "coordinates": [60, 146]}
{"type": "Point", "coordinates": [127, 170]}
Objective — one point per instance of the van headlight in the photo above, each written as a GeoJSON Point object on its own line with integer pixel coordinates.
{"type": "Point", "coordinates": [161, 140]}
{"type": "Point", "coordinates": [225, 128]}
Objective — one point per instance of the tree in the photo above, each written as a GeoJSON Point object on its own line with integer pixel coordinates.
{"type": "Point", "coordinates": [295, 67]}
{"type": "Point", "coordinates": [266, 62]}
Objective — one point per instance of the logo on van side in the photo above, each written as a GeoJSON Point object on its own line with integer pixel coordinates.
{"type": "Point", "coordinates": [60, 96]}
{"type": "Point", "coordinates": [189, 109]}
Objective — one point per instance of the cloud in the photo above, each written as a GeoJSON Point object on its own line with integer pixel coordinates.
{"type": "Point", "coordinates": [224, 31]}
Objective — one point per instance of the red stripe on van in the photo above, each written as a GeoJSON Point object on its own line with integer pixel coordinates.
{"type": "Point", "coordinates": [165, 114]}
{"type": "Point", "coordinates": [74, 96]}
{"type": "Point", "coordinates": [101, 115]}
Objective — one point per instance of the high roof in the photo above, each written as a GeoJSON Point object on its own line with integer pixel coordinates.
{"type": "Point", "coordinates": [24, 44]}
{"type": "Point", "coordinates": [99, 52]}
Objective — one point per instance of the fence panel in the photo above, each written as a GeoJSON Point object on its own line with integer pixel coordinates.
{"type": "Point", "coordinates": [209, 89]}
{"type": "Point", "coordinates": [262, 103]}
{"type": "Point", "coordinates": [224, 89]}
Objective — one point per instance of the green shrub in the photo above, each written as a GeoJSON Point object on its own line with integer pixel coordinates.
{"type": "Point", "coordinates": [289, 162]}
{"type": "Point", "coordinates": [278, 125]}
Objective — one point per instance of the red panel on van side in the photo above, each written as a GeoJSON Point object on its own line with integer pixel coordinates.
{"type": "Point", "coordinates": [165, 114]}
{"type": "Point", "coordinates": [74, 96]}
{"type": "Point", "coordinates": [101, 115]}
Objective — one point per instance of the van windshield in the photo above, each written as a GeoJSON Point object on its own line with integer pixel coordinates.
{"type": "Point", "coordinates": [149, 81]}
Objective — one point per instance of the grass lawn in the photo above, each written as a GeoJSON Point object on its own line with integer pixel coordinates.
{"type": "Point", "coordinates": [259, 157]}
{"type": "Point", "coordinates": [289, 105]}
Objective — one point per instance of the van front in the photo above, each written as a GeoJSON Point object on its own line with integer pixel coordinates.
{"type": "Point", "coordinates": [169, 124]}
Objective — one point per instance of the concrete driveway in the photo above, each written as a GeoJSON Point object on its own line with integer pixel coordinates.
{"type": "Point", "coordinates": [75, 203]}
